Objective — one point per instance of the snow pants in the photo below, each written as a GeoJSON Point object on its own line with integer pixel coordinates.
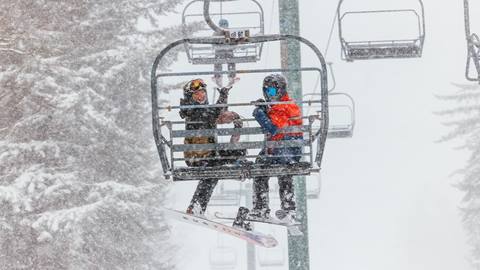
{"type": "Point", "coordinates": [203, 193]}
{"type": "Point", "coordinates": [261, 187]}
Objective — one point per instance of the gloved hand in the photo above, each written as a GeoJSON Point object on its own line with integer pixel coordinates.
{"type": "Point", "coordinates": [261, 107]}
{"type": "Point", "coordinates": [224, 90]}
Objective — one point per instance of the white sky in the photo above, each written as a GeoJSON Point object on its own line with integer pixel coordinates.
{"type": "Point", "coordinates": [387, 199]}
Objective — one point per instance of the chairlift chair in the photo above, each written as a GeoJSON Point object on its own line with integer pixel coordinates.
{"type": "Point", "coordinates": [347, 106]}
{"type": "Point", "coordinates": [223, 258]}
{"type": "Point", "coordinates": [381, 49]}
{"type": "Point", "coordinates": [210, 54]}
{"type": "Point", "coordinates": [271, 257]}
{"type": "Point", "coordinates": [473, 47]}
{"type": "Point", "coordinates": [168, 133]}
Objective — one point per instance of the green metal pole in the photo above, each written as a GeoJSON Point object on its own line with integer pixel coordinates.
{"type": "Point", "coordinates": [298, 255]}
{"type": "Point", "coordinates": [251, 260]}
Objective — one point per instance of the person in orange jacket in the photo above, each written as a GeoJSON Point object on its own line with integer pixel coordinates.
{"type": "Point", "coordinates": [272, 119]}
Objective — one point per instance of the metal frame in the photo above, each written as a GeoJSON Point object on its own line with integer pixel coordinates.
{"type": "Point", "coordinates": [473, 48]}
{"type": "Point", "coordinates": [341, 131]}
{"type": "Point", "coordinates": [239, 172]}
{"type": "Point", "coordinates": [382, 49]}
{"type": "Point", "coordinates": [213, 54]}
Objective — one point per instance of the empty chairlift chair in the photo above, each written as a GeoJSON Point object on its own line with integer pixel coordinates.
{"type": "Point", "coordinates": [342, 114]}
{"type": "Point", "coordinates": [209, 54]}
{"type": "Point", "coordinates": [170, 134]}
{"type": "Point", "coordinates": [223, 258]}
{"type": "Point", "coordinates": [473, 47]}
{"type": "Point", "coordinates": [381, 48]}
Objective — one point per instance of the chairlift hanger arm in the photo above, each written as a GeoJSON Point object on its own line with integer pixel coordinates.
{"type": "Point", "coordinates": [216, 28]}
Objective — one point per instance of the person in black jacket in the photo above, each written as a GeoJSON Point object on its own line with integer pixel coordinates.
{"type": "Point", "coordinates": [195, 93]}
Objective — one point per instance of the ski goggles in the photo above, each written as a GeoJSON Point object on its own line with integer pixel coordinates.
{"type": "Point", "coordinates": [271, 91]}
{"type": "Point", "coordinates": [197, 84]}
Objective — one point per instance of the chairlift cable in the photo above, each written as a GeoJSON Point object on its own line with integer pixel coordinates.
{"type": "Point", "coordinates": [221, 9]}
{"type": "Point", "coordinates": [267, 50]}
{"type": "Point", "coordinates": [330, 35]}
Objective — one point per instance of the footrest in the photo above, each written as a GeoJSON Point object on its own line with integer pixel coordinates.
{"type": "Point", "coordinates": [379, 51]}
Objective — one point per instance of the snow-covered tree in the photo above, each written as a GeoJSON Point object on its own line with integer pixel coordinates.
{"type": "Point", "coordinates": [465, 124]}
{"type": "Point", "coordinates": [79, 181]}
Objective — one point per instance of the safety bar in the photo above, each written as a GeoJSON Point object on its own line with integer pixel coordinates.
{"type": "Point", "coordinates": [239, 145]}
{"type": "Point", "coordinates": [233, 131]}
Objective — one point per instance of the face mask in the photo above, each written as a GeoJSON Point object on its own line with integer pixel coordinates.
{"type": "Point", "coordinates": [271, 91]}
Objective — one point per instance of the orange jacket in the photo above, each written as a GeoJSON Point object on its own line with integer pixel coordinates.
{"type": "Point", "coordinates": [285, 115]}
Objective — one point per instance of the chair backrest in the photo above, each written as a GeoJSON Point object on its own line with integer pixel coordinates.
{"type": "Point", "coordinates": [252, 137]}
{"type": "Point", "coordinates": [236, 15]}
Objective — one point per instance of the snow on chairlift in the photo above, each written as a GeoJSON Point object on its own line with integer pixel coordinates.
{"type": "Point", "coordinates": [382, 49]}
{"type": "Point", "coordinates": [342, 114]}
{"type": "Point", "coordinates": [223, 258]}
{"type": "Point", "coordinates": [473, 46]}
{"type": "Point", "coordinates": [169, 135]}
{"type": "Point", "coordinates": [208, 54]}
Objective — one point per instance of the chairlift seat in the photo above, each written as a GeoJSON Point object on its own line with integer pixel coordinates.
{"type": "Point", "coordinates": [215, 54]}
{"type": "Point", "coordinates": [241, 172]}
{"type": "Point", "coordinates": [340, 131]}
{"type": "Point", "coordinates": [382, 49]}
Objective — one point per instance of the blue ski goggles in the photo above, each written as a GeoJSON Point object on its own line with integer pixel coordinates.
{"type": "Point", "coordinates": [271, 91]}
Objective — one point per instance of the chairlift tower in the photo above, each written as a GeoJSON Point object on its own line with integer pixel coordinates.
{"type": "Point", "coordinates": [298, 254]}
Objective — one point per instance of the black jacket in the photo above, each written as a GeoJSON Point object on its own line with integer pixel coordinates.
{"type": "Point", "coordinates": [202, 118]}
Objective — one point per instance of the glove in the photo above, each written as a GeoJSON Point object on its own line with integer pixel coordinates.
{"type": "Point", "coordinates": [261, 107]}
{"type": "Point", "coordinates": [224, 90]}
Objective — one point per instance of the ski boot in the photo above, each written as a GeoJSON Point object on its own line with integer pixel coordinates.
{"type": "Point", "coordinates": [287, 216]}
{"type": "Point", "coordinates": [259, 214]}
{"type": "Point", "coordinates": [194, 210]}
{"type": "Point", "coordinates": [240, 221]}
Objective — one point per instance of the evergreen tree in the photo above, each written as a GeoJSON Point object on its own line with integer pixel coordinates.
{"type": "Point", "coordinates": [79, 176]}
{"type": "Point", "coordinates": [465, 125]}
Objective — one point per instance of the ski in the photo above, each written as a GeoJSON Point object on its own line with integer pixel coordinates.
{"type": "Point", "coordinates": [293, 228]}
{"type": "Point", "coordinates": [253, 237]}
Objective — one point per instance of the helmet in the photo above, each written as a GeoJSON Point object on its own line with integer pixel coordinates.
{"type": "Point", "coordinates": [193, 86]}
{"type": "Point", "coordinates": [274, 87]}
{"type": "Point", "coordinates": [223, 23]}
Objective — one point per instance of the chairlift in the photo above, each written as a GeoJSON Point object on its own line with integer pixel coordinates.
{"type": "Point", "coordinates": [210, 54]}
{"type": "Point", "coordinates": [382, 49]}
{"type": "Point", "coordinates": [168, 133]}
{"type": "Point", "coordinates": [473, 46]}
{"type": "Point", "coordinates": [345, 108]}
{"type": "Point", "coordinates": [223, 258]}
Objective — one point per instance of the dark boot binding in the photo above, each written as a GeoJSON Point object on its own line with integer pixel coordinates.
{"type": "Point", "coordinates": [240, 220]}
